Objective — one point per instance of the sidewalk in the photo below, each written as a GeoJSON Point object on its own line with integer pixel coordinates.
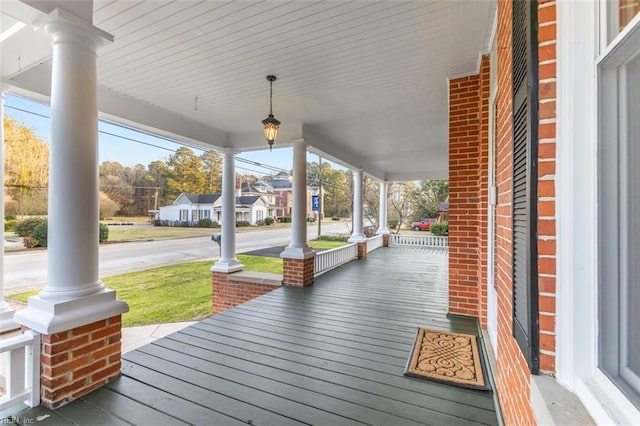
{"type": "Point", "coordinates": [134, 337]}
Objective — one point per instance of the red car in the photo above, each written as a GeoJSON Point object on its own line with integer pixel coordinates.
{"type": "Point", "coordinates": [424, 224]}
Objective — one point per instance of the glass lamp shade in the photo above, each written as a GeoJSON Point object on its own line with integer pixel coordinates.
{"type": "Point", "coordinates": [271, 125]}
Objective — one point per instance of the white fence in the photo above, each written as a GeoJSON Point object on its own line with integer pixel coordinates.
{"type": "Point", "coordinates": [22, 371]}
{"type": "Point", "coordinates": [418, 240]}
{"type": "Point", "coordinates": [327, 260]}
{"type": "Point", "coordinates": [374, 243]}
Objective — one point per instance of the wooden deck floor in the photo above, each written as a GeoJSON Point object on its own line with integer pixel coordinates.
{"type": "Point", "coordinates": [331, 354]}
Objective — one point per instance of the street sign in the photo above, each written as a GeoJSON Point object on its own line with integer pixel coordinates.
{"type": "Point", "coordinates": [315, 203]}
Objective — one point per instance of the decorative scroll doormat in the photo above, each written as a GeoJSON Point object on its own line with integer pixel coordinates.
{"type": "Point", "coordinates": [450, 358]}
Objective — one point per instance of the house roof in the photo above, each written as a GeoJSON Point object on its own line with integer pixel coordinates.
{"type": "Point", "coordinates": [201, 198]}
{"type": "Point", "coordinates": [281, 184]}
{"type": "Point", "coordinates": [247, 200]}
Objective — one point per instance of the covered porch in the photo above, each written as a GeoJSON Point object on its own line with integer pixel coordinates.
{"type": "Point", "coordinates": [333, 353]}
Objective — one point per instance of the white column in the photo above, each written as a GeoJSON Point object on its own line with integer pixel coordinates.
{"type": "Point", "coordinates": [6, 313]}
{"type": "Point", "coordinates": [298, 248]}
{"type": "Point", "coordinates": [74, 294]}
{"type": "Point", "coordinates": [358, 185]}
{"type": "Point", "coordinates": [382, 227]}
{"type": "Point", "coordinates": [228, 261]}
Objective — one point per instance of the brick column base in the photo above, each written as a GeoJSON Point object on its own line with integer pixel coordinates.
{"type": "Point", "coordinates": [298, 272]}
{"type": "Point", "coordinates": [362, 250]}
{"type": "Point", "coordinates": [78, 361]}
{"type": "Point", "coordinates": [385, 240]}
{"type": "Point", "coordinates": [229, 290]}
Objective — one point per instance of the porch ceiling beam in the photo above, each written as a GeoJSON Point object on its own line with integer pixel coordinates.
{"type": "Point", "coordinates": [335, 152]}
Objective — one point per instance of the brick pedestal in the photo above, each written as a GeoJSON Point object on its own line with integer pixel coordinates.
{"type": "Point", "coordinates": [78, 361]}
{"type": "Point", "coordinates": [298, 272]}
{"type": "Point", "coordinates": [362, 250]}
{"type": "Point", "coordinates": [233, 289]}
{"type": "Point", "coordinates": [385, 240]}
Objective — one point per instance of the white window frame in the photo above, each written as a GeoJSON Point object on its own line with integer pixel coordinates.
{"type": "Point", "coordinates": [582, 31]}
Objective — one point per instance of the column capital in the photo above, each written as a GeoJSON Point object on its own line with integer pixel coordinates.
{"type": "Point", "coordinates": [228, 150]}
{"type": "Point", "coordinates": [65, 27]}
{"type": "Point", "coordinates": [299, 143]}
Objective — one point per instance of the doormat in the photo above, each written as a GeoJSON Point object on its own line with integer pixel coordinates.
{"type": "Point", "coordinates": [450, 358]}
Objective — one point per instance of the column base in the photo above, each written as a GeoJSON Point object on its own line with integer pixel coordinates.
{"type": "Point", "coordinates": [356, 238]}
{"type": "Point", "coordinates": [297, 253]}
{"type": "Point", "coordinates": [79, 360]}
{"type": "Point", "coordinates": [48, 317]}
{"type": "Point", "coordinates": [383, 231]}
{"type": "Point", "coordinates": [227, 266]}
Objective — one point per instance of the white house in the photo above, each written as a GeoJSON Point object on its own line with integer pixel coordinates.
{"type": "Point", "coordinates": [191, 208]}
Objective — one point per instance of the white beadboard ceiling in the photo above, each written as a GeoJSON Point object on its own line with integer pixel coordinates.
{"type": "Point", "coordinates": [364, 82]}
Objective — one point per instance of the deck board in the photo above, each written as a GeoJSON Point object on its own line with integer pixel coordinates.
{"type": "Point", "coordinates": [330, 354]}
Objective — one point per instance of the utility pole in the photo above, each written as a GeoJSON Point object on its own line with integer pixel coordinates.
{"type": "Point", "coordinates": [319, 196]}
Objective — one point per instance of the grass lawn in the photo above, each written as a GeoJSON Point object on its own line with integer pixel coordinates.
{"type": "Point", "coordinates": [178, 292]}
{"type": "Point", "coordinates": [126, 233]}
{"type": "Point", "coordinates": [147, 231]}
{"type": "Point", "coordinates": [325, 244]}
{"type": "Point", "coordinates": [171, 293]}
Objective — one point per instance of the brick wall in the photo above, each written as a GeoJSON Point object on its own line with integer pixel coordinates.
{"type": "Point", "coordinates": [228, 292]}
{"type": "Point", "coordinates": [512, 373]}
{"type": "Point", "coordinates": [468, 177]}
{"type": "Point", "coordinates": [546, 228]}
{"type": "Point", "coordinates": [78, 361]}
{"type": "Point", "coordinates": [298, 272]}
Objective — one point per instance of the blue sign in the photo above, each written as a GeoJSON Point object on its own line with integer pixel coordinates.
{"type": "Point", "coordinates": [315, 203]}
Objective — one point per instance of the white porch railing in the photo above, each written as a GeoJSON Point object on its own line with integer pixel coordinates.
{"type": "Point", "coordinates": [374, 243]}
{"type": "Point", "coordinates": [418, 240]}
{"type": "Point", "coordinates": [22, 372]}
{"type": "Point", "coordinates": [327, 260]}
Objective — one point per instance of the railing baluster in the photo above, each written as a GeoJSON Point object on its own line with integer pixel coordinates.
{"type": "Point", "coordinates": [23, 374]}
{"type": "Point", "coordinates": [418, 240]}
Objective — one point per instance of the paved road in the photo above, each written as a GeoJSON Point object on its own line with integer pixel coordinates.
{"type": "Point", "coordinates": [25, 271]}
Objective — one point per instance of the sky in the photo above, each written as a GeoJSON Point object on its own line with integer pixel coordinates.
{"type": "Point", "coordinates": [129, 147]}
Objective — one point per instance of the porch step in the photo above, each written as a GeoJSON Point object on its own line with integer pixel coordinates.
{"type": "Point", "coordinates": [256, 278]}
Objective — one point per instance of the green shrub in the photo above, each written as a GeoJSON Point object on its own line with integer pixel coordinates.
{"type": "Point", "coordinates": [241, 223]}
{"type": "Point", "coordinates": [40, 234]}
{"type": "Point", "coordinates": [10, 217]}
{"type": "Point", "coordinates": [284, 219]}
{"type": "Point", "coordinates": [392, 224]}
{"type": "Point", "coordinates": [205, 223]}
{"type": "Point", "coordinates": [24, 228]}
{"type": "Point", "coordinates": [103, 233]}
{"type": "Point", "coordinates": [440, 228]}
{"type": "Point", "coordinates": [10, 224]}
{"type": "Point", "coordinates": [335, 219]}
{"type": "Point", "coordinates": [341, 238]}
{"type": "Point", "coordinates": [311, 219]}
{"type": "Point", "coordinates": [29, 242]}
{"type": "Point", "coordinates": [268, 220]}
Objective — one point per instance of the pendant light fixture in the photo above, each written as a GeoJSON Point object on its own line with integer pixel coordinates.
{"type": "Point", "coordinates": [271, 124]}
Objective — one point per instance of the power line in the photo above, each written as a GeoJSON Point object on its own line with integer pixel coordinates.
{"type": "Point", "coordinates": [104, 132]}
